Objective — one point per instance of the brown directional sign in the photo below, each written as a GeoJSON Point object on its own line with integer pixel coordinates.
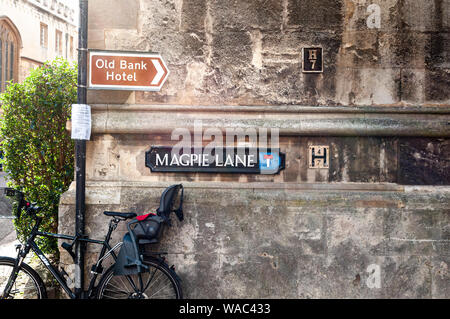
{"type": "Point", "coordinates": [116, 70]}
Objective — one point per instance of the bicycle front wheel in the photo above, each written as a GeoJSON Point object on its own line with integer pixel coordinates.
{"type": "Point", "coordinates": [159, 282]}
{"type": "Point", "coordinates": [28, 284]}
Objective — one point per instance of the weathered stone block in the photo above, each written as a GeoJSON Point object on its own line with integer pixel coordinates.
{"type": "Point", "coordinates": [363, 160]}
{"type": "Point", "coordinates": [162, 15]}
{"type": "Point", "coordinates": [232, 50]}
{"type": "Point", "coordinates": [124, 40]}
{"type": "Point", "coordinates": [437, 82]}
{"type": "Point", "coordinates": [412, 85]}
{"type": "Point", "coordinates": [322, 14]}
{"type": "Point", "coordinates": [411, 232]}
{"type": "Point", "coordinates": [257, 270]}
{"type": "Point", "coordinates": [360, 49]}
{"type": "Point", "coordinates": [440, 277]}
{"type": "Point", "coordinates": [424, 161]}
{"type": "Point", "coordinates": [193, 14]}
{"type": "Point", "coordinates": [110, 96]}
{"type": "Point", "coordinates": [402, 49]}
{"type": "Point", "coordinates": [437, 48]}
{"type": "Point", "coordinates": [419, 15]}
{"type": "Point", "coordinates": [340, 276]}
{"type": "Point", "coordinates": [103, 14]}
{"type": "Point", "coordinates": [407, 277]}
{"type": "Point", "coordinates": [368, 86]}
{"type": "Point", "coordinates": [362, 228]}
{"type": "Point", "coordinates": [358, 13]}
{"type": "Point", "coordinates": [443, 245]}
{"type": "Point", "coordinates": [445, 18]}
{"type": "Point", "coordinates": [246, 15]}
{"type": "Point", "coordinates": [96, 39]}
{"type": "Point", "coordinates": [278, 84]}
{"type": "Point", "coordinates": [104, 160]}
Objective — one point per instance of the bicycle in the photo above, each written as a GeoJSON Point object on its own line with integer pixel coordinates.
{"type": "Point", "coordinates": [136, 275]}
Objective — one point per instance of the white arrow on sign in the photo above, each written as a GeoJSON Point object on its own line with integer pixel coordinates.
{"type": "Point", "coordinates": [159, 70]}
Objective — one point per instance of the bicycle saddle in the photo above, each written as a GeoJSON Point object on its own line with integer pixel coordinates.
{"type": "Point", "coordinates": [122, 215]}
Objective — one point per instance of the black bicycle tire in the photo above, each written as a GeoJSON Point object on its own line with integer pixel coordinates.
{"type": "Point", "coordinates": [155, 262]}
{"type": "Point", "coordinates": [30, 272]}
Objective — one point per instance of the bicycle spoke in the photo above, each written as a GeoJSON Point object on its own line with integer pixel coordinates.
{"type": "Point", "coordinates": [120, 290]}
{"type": "Point", "coordinates": [121, 280]}
{"type": "Point", "coordinates": [117, 291]}
{"type": "Point", "coordinates": [160, 275]}
{"type": "Point", "coordinates": [171, 296]}
{"type": "Point", "coordinates": [24, 285]}
{"type": "Point", "coordinates": [141, 282]}
{"type": "Point", "coordinates": [150, 279]}
{"type": "Point", "coordinates": [105, 296]}
{"type": "Point", "coordinates": [131, 282]}
{"type": "Point", "coordinates": [169, 283]}
{"type": "Point", "coordinates": [156, 283]}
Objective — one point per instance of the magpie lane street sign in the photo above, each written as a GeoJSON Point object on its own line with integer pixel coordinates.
{"type": "Point", "coordinates": [226, 160]}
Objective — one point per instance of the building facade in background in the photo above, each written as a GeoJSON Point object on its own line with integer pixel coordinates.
{"type": "Point", "coordinates": [34, 31]}
{"type": "Point", "coordinates": [364, 82]}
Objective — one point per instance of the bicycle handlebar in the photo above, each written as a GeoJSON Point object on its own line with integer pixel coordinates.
{"type": "Point", "coordinates": [31, 209]}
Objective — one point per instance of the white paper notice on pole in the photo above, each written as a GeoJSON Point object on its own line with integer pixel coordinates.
{"type": "Point", "coordinates": [81, 122]}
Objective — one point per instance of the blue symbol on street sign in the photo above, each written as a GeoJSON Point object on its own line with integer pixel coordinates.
{"type": "Point", "coordinates": [269, 162]}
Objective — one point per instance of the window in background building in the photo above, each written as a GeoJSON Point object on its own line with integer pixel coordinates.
{"type": "Point", "coordinates": [71, 47]}
{"type": "Point", "coordinates": [9, 53]}
{"type": "Point", "coordinates": [11, 62]}
{"type": "Point", "coordinates": [58, 42]}
{"type": "Point", "coordinates": [67, 45]}
{"type": "Point", "coordinates": [44, 35]}
{"type": "Point", "coordinates": [5, 66]}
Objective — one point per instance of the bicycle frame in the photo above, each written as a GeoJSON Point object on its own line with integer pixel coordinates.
{"type": "Point", "coordinates": [166, 207]}
{"type": "Point", "coordinates": [30, 244]}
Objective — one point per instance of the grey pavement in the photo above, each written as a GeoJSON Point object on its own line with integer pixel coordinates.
{"type": "Point", "coordinates": [8, 238]}
{"type": "Point", "coordinates": [7, 232]}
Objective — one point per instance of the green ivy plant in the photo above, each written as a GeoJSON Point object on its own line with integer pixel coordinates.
{"type": "Point", "coordinates": [38, 151]}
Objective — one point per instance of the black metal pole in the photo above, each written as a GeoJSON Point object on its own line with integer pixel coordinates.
{"type": "Point", "coordinates": [80, 152]}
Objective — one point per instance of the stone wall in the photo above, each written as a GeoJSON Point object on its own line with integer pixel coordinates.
{"type": "Point", "coordinates": [408, 161]}
{"type": "Point", "coordinates": [249, 52]}
{"type": "Point", "coordinates": [280, 241]}
{"type": "Point", "coordinates": [381, 105]}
